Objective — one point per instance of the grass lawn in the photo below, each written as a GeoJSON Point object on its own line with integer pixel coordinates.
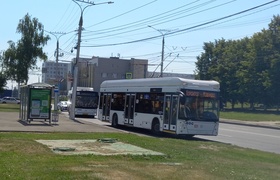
{"type": "Point", "coordinates": [9, 107]}
{"type": "Point", "coordinates": [250, 116]}
{"type": "Point", "coordinates": [24, 158]}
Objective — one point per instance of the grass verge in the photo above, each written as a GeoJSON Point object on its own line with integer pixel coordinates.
{"type": "Point", "coordinates": [9, 107]}
{"type": "Point", "coordinates": [23, 158]}
{"type": "Point", "coordinates": [250, 116]}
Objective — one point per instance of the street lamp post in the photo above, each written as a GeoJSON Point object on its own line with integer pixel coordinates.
{"type": "Point", "coordinates": [75, 79]}
{"type": "Point", "coordinates": [57, 35]}
{"type": "Point", "coordinates": [162, 50]}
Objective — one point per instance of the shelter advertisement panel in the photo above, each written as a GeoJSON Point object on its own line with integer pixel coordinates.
{"type": "Point", "coordinates": [40, 100]}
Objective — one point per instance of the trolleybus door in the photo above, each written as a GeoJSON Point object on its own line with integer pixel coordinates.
{"type": "Point", "coordinates": [129, 109]}
{"type": "Point", "coordinates": [106, 107]}
{"type": "Point", "coordinates": [170, 113]}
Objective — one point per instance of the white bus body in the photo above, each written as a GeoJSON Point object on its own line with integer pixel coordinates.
{"type": "Point", "coordinates": [162, 105]}
{"type": "Point", "coordinates": [86, 101]}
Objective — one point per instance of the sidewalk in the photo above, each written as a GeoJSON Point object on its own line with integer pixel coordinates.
{"type": "Point", "coordinates": [264, 124]}
{"type": "Point", "coordinates": [10, 121]}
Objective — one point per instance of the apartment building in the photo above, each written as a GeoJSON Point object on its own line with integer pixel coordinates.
{"type": "Point", "coordinates": [56, 73]}
{"type": "Point", "coordinates": [93, 71]}
{"type": "Point", "coordinates": [165, 74]}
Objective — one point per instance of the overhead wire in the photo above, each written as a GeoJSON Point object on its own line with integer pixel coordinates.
{"type": "Point", "coordinates": [64, 14]}
{"type": "Point", "coordinates": [133, 24]}
{"type": "Point", "coordinates": [107, 36]}
{"type": "Point", "coordinates": [222, 18]}
{"type": "Point", "coordinates": [186, 29]}
{"type": "Point", "coordinates": [211, 25]}
{"type": "Point", "coordinates": [122, 14]}
{"type": "Point", "coordinates": [181, 6]}
{"type": "Point", "coordinates": [143, 23]}
{"type": "Point", "coordinates": [140, 41]}
{"type": "Point", "coordinates": [251, 13]}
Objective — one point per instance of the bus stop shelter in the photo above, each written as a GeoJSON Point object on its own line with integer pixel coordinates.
{"type": "Point", "coordinates": [36, 102]}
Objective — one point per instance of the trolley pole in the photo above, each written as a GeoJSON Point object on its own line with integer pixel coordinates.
{"type": "Point", "coordinates": [162, 57]}
{"type": "Point", "coordinates": [75, 79]}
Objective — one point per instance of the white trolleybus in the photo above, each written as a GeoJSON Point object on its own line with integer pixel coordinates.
{"type": "Point", "coordinates": [86, 101]}
{"type": "Point", "coordinates": [173, 105]}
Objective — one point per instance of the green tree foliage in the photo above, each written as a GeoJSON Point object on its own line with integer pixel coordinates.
{"type": "Point", "coordinates": [22, 56]}
{"type": "Point", "coordinates": [3, 78]}
{"type": "Point", "coordinates": [3, 82]}
{"type": "Point", "coordinates": [248, 69]}
{"type": "Point", "coordinates": [274, 73]}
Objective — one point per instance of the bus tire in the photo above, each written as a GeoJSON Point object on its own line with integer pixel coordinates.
{"type": "Point", "coordinates": [115, 121]}
{"type": "Point", "coordinates": [156, 127]}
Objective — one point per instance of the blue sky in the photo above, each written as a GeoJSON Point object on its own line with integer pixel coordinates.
{"type": "Point", "coordinates": [111, 29]}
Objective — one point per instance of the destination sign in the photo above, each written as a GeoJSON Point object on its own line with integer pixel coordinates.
{"type": "Point", "coordinates": [200, 94]}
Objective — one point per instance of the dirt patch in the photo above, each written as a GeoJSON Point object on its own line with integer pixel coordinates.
{"type": "Point", "coordinates": [210, 147]}
{"type": "Point", "coordinates": [97, 147]}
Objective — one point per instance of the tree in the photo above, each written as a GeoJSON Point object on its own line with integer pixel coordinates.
{"type": "Point", "coordinates": [274, 73]}
{"type": "Point", "coordinates": [204, 62]}
{"type": "Point", "coordinates": [3, 79]}
{"type": "Point", "coordinates": [22, 57]}
{"type": "Point", "coordinates": [3, 82]}
{"type": "Point", "coordinates": [247, 69]}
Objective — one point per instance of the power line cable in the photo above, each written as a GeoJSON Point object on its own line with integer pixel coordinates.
{"type": "Point", "coordinates": [149, 20]}
{"type": "Point", "coordinates": [125, 26]}
{"type": "Point", "coordinates": [208, 27]}
{"type": "Point", "coordinates": [185, 29]}
{"type": "Point", "coordinates": [122, 14]}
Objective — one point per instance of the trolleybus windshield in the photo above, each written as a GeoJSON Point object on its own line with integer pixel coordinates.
{"type": "Point", "coordinates": [199, 106]}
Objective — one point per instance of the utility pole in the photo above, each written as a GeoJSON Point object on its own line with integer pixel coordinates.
{"type": "Point", "coordinates": [57, 35]}
{"type": "Point", "coordinates": [162, 48]}
{"type": "Point", "coordinates": [75, 79]}
{"type": "Point", "coordinates": [162, 57]}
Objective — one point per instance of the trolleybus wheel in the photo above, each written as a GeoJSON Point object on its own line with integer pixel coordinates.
{"type": "Point", "coordinates": [156, 127]}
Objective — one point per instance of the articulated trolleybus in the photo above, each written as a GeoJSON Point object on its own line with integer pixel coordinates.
{"type": "Point", "coordinates": [173, 105]}
{"type": "Point", "coordinates": [86, 101]}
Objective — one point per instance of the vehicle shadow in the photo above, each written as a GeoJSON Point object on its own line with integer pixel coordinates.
{"type": "Point", "coordinates": [146, 132]}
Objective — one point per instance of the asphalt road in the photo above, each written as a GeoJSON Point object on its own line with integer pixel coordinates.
{"type": "Point", "coordinates": [260, 138]}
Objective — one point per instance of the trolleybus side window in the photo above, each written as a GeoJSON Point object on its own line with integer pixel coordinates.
{"type": "Point", "coordinates": [149, 103]}
{"type": "Point", "coordinates": [118, 100]}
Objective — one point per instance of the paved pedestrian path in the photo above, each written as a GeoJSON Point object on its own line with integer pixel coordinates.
{"type": "Point", "coordinates": [10, 121]}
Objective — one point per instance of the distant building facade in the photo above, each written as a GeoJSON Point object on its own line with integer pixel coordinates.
{"type": "Point", "coordinates": [164, 74]}
{"type": "Point", "coordinates": [93, 71]}
{"type": "Point", "coordinates": [56, 74]}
